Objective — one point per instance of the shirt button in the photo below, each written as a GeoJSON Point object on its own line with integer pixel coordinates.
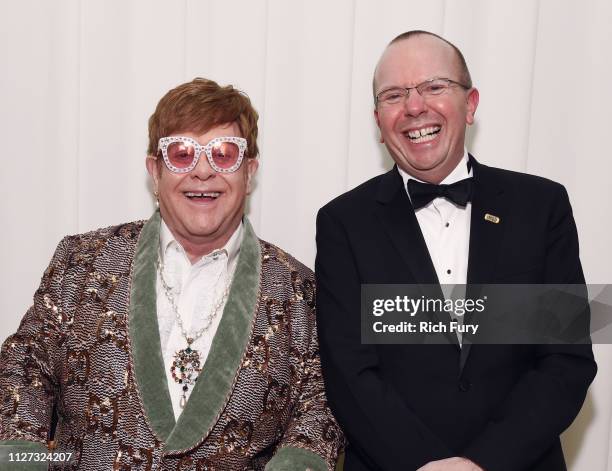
{"type": "Point", "coordinates": [448, 272]}
{"type": "Point", "coordinates": [447, 224]}
{"type": "Point", "coordinates": [464, 385]}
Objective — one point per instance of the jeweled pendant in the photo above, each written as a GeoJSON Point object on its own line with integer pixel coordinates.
{"type": "Point", "coordinates": [185, 369]}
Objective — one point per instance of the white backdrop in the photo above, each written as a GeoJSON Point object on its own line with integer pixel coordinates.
{"type": "Point", "coordinates": [79, 80]}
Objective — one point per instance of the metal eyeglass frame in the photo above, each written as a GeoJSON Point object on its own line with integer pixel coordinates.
{"type": "Point", "coordinates": [404, 92]}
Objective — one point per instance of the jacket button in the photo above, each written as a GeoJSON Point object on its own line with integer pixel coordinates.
{"type": "Point", "coordinates": [464, 385]}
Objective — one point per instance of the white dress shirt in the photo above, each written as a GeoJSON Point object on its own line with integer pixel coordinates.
{"type": "Point", "coordinates": [446, 230]}
{"type": "Point", "coordinates": [196, 288]}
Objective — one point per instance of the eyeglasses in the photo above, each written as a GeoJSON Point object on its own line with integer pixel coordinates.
{"type": "Point", "coordinates": [427, 89]}
{"type": "Point", "coordinates": [182, 154]}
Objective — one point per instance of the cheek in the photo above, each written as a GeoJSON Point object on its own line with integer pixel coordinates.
{"type": "Point", "coordinates": [239, 180]}
{"type": "Point", "coordinates": [240, 186]}
{"type": "Point", "coordinates": [441, 107]}
{"type": "Point", "coordinates": [167, 184]}
{"type": "Point", "coordinates": [453, 113]}
{"type": "Point", "coordinates": [387, 123]}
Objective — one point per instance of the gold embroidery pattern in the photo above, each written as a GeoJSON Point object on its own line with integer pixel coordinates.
{"type": "Point", "coordinates": [71, 353]}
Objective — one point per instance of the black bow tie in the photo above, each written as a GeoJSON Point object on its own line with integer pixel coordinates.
{"type": "Point", "coordinates": [421, 194]}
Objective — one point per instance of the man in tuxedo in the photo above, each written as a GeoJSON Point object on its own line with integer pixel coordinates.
{"type": "Point", "coordinates": [440, 216]}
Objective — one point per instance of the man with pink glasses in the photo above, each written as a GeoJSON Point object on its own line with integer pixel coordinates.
{"type": "Point", "coordinates": [181, 342]}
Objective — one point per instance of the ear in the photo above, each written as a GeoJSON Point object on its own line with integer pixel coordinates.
{"type": "Point", "coordinates": [472, 103]}
{"type": "Point", "coordinates": [252, 166]}
{"type": "Point", "coordinates": [377, 118]}
{"type": "Point", "coordinates": [153, 170]}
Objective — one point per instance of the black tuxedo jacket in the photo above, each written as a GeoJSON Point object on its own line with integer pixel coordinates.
{"type": "Point", "coordinates": [401, 406]}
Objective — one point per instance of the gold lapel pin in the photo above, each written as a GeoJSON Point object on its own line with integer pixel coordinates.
{"type": "Point", "coordinates": [492, 218]}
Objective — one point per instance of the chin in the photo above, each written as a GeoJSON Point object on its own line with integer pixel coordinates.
{"type": "Point", "coordinates": [204, 230]}
{"type": "Point", "coordinates": [424, 165]}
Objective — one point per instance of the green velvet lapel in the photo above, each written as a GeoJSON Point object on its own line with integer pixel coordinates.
{"type": "Point", "coordinates": [149, 369]}
{"type": "Point", "coordinates": [215, 383]}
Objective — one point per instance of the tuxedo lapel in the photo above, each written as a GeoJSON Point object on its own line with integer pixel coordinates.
{"type": "Point", "coordinates": [399, 222]}
{"type": "Point", "coordinates": [489, 214]}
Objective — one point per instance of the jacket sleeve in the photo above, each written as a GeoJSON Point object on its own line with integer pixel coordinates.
{"type": "Point", "coordinates": [312, 438]}
{"type": "Point", "coordinates": [549, 396]}
{"type": "Point", "coordinates": [379, 426]}
{"type": "Point", "coordinates": [27, 381]}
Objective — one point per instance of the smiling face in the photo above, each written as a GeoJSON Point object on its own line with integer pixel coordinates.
{"type": "Point", "coordinates": [202, 208]}
{"type": "Point", "coordinates": [425, 137]}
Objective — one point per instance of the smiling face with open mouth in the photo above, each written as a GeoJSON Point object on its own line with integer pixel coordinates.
{"type": "Point", "coordinates": [425, 136]}
{"type": "Point", "coordinates": [202, 208]}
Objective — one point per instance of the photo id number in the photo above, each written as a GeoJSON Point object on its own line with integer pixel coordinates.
{"type": "Point", "coordinates": [51, 456]}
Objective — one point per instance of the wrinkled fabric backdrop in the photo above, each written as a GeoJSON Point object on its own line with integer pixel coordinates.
{"type": "Point", "coordinates": [80, 79]}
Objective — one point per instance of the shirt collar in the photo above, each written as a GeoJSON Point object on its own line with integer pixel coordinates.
{"type": "Point", "coordinates": [231, 249]}
{"type": "Point", "coordinates": [460, 172]}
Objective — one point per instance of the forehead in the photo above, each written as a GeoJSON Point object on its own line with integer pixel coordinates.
{"type": "Point", "coordinates": [226, 129]}
{"type": "Point", "coordinates": [411, 61]}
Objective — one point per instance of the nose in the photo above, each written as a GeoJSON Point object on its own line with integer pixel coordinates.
{"type": "Point", "coordinates": [203, 170]}
{"type": "Point", "coordinates": [414, 104]}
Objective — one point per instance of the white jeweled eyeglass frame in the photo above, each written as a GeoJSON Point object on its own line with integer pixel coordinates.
{"type": "Point", "coordinates": [164, 142]}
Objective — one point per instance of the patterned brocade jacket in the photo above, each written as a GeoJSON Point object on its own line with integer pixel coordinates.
{"type": "Point", "coordinates": [88, 351]}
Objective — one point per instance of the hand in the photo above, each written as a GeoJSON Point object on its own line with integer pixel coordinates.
{"type": "Point", "coordinates": [451, 464]}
